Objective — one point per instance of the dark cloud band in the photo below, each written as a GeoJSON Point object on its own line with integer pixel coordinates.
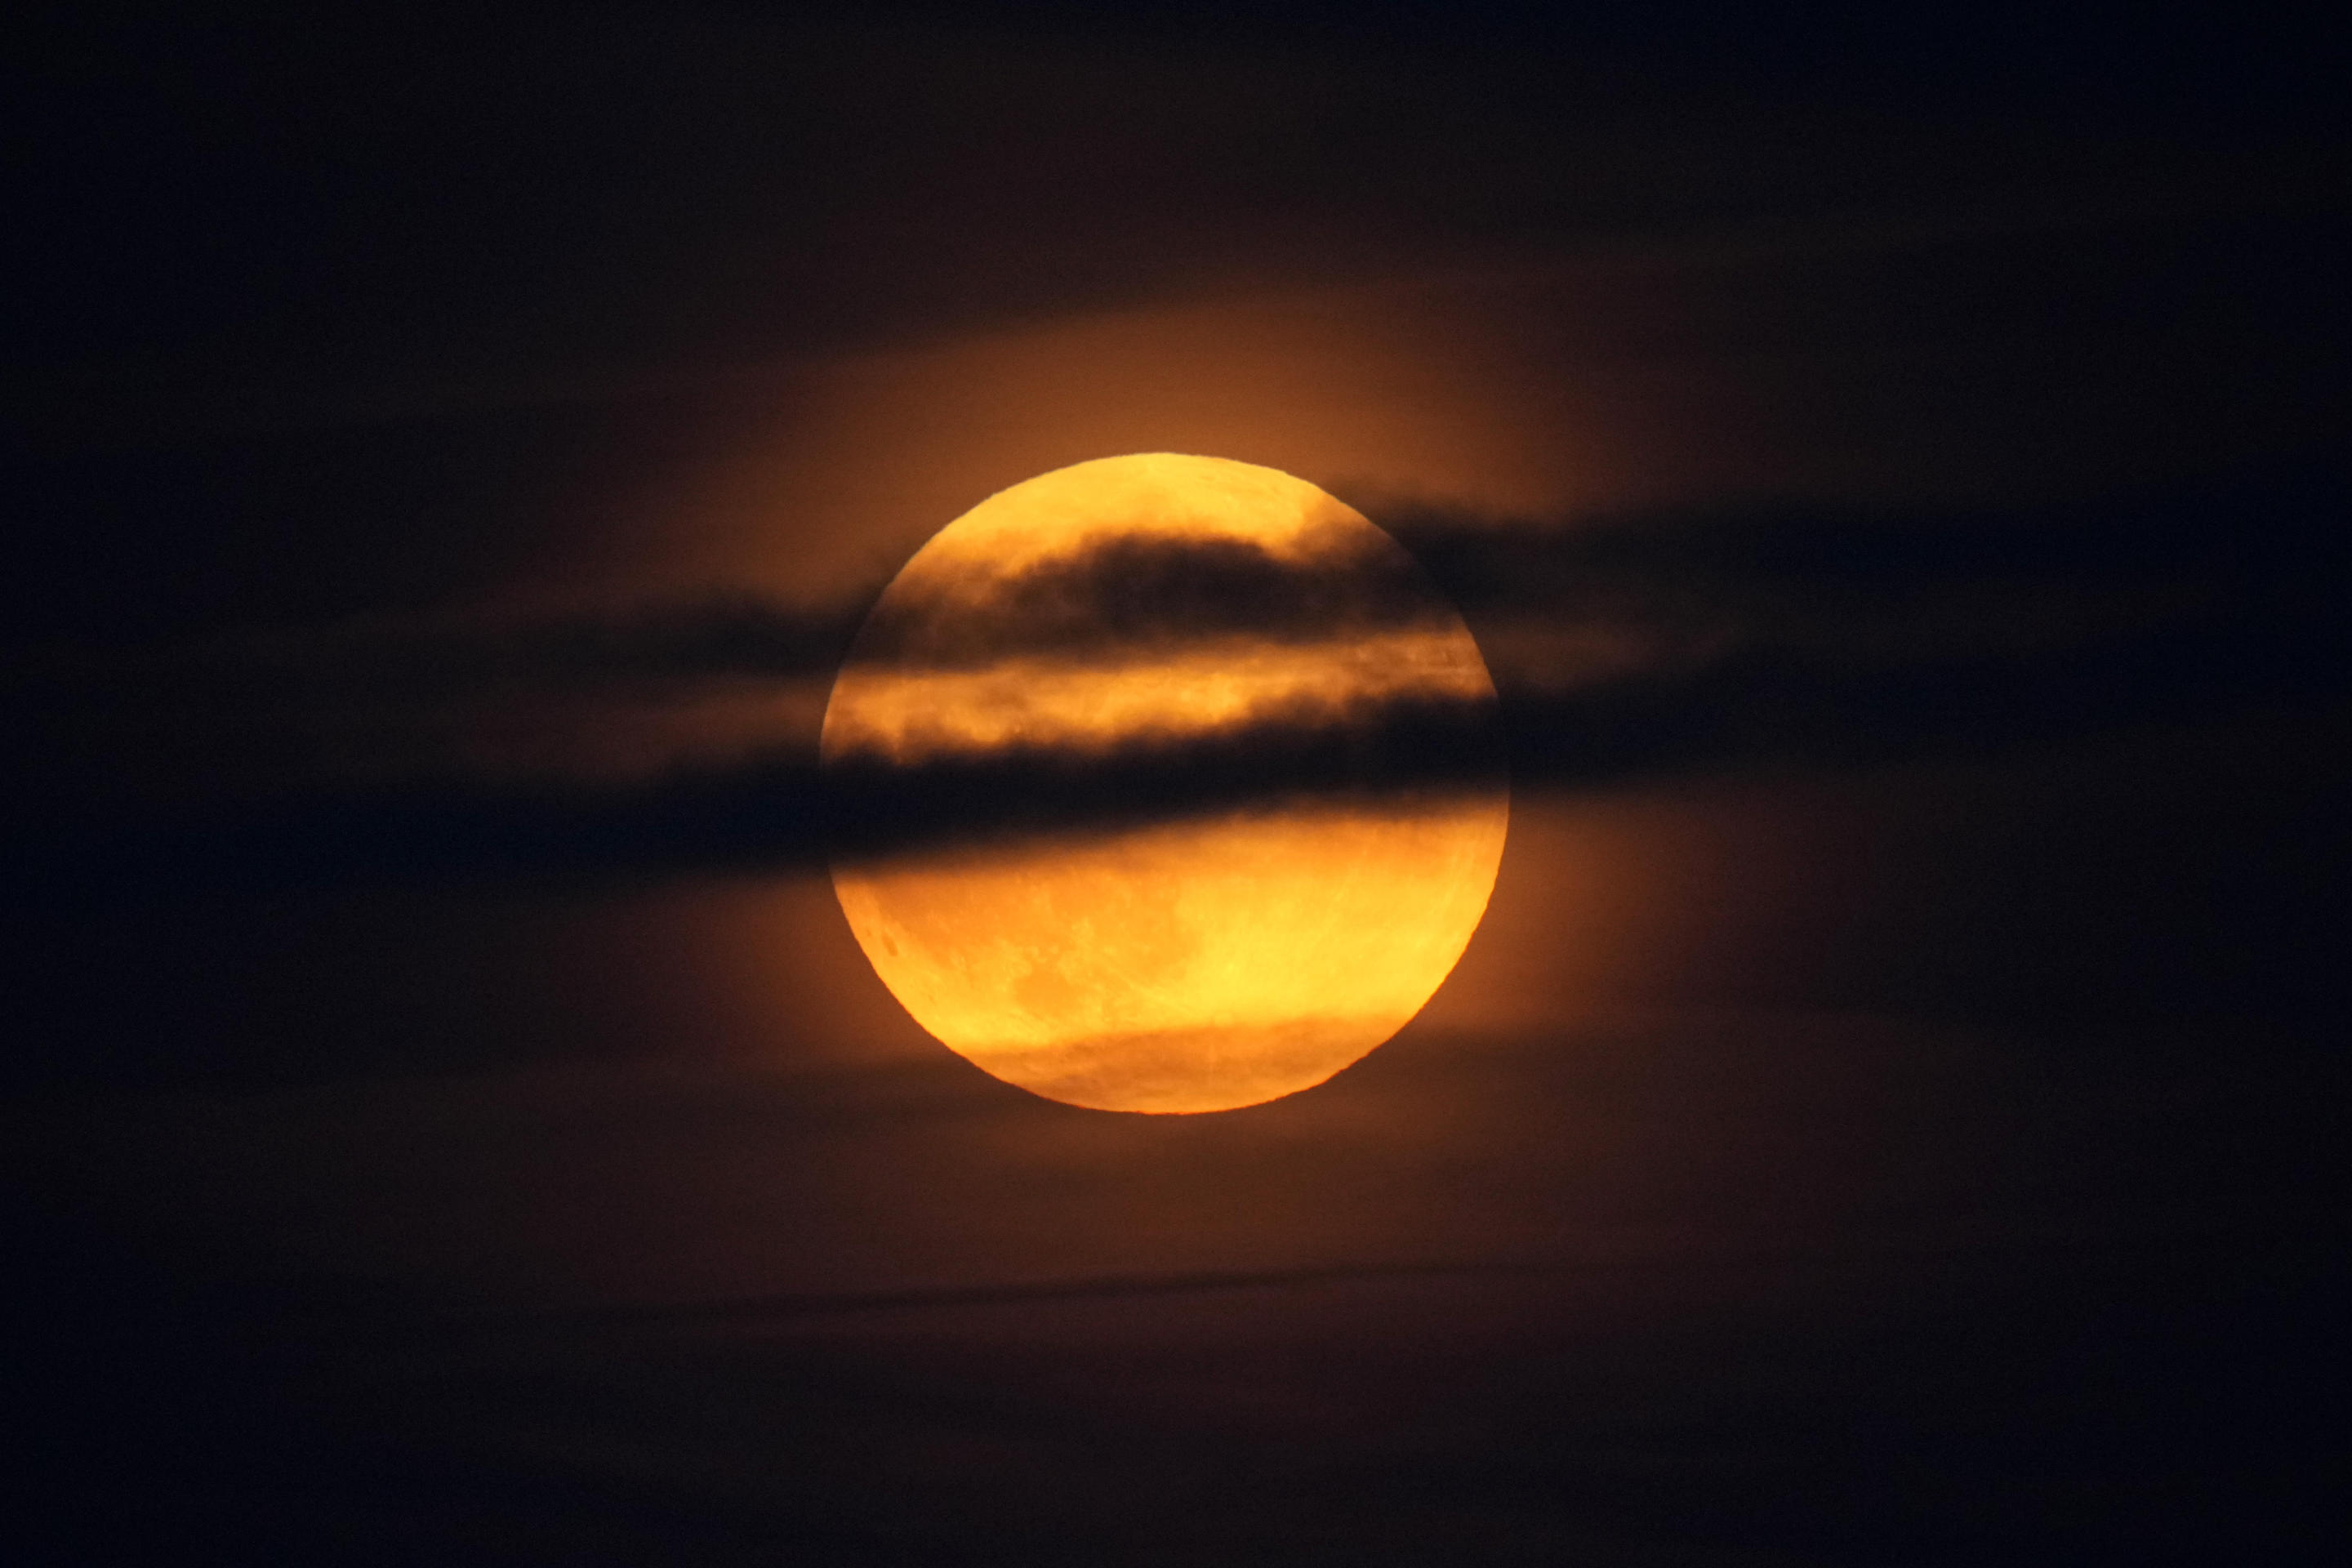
{"type": "Point", "coordinates": [1828, 641]}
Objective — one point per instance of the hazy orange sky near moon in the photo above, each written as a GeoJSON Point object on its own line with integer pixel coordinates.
{"type": "Point", "coordinates": [823, 477]}
{"type": "Point", "coordinates": [831, 472]}
{"type": "Point", "coordinates": [1518, 390]}
{"type": "Point", "coordinates": [820, 477]}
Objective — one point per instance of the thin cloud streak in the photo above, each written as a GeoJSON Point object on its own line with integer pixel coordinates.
{"type": "Point", "coordinates": [1684, 1252]}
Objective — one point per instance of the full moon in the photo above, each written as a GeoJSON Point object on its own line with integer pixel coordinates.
{"type": "Point", "coordinates": [1194, 964]}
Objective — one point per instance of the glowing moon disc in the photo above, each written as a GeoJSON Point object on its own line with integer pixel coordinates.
{"type": "Point", "coordinates": [1194, 965]}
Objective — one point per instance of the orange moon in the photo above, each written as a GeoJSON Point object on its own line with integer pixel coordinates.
{"type": "Point", "coordinates": [1194, 966]}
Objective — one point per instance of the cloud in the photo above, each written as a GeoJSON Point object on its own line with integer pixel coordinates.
{"type": "Point", "coordinates": [1131, 593]}
{"type": "Point", "coordinates": [1624, 650]}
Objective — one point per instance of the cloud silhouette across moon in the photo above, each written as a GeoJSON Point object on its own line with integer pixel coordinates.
{"type": "Point", "coordinates": [1204, 964]}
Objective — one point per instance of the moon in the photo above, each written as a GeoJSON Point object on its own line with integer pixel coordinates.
{"type": "Point", "coordinates": [1180, 966]}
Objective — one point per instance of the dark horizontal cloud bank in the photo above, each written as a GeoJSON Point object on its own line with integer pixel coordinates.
{"type": "Point", "coordinates": [1625, 649]}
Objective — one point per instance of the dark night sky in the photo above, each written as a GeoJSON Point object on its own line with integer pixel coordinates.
{"type": "Point", "coordinates": [1895, 465]}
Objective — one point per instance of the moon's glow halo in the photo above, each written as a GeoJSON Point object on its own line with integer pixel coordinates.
{"type": "Point", "coordinates": [1192, 965]}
